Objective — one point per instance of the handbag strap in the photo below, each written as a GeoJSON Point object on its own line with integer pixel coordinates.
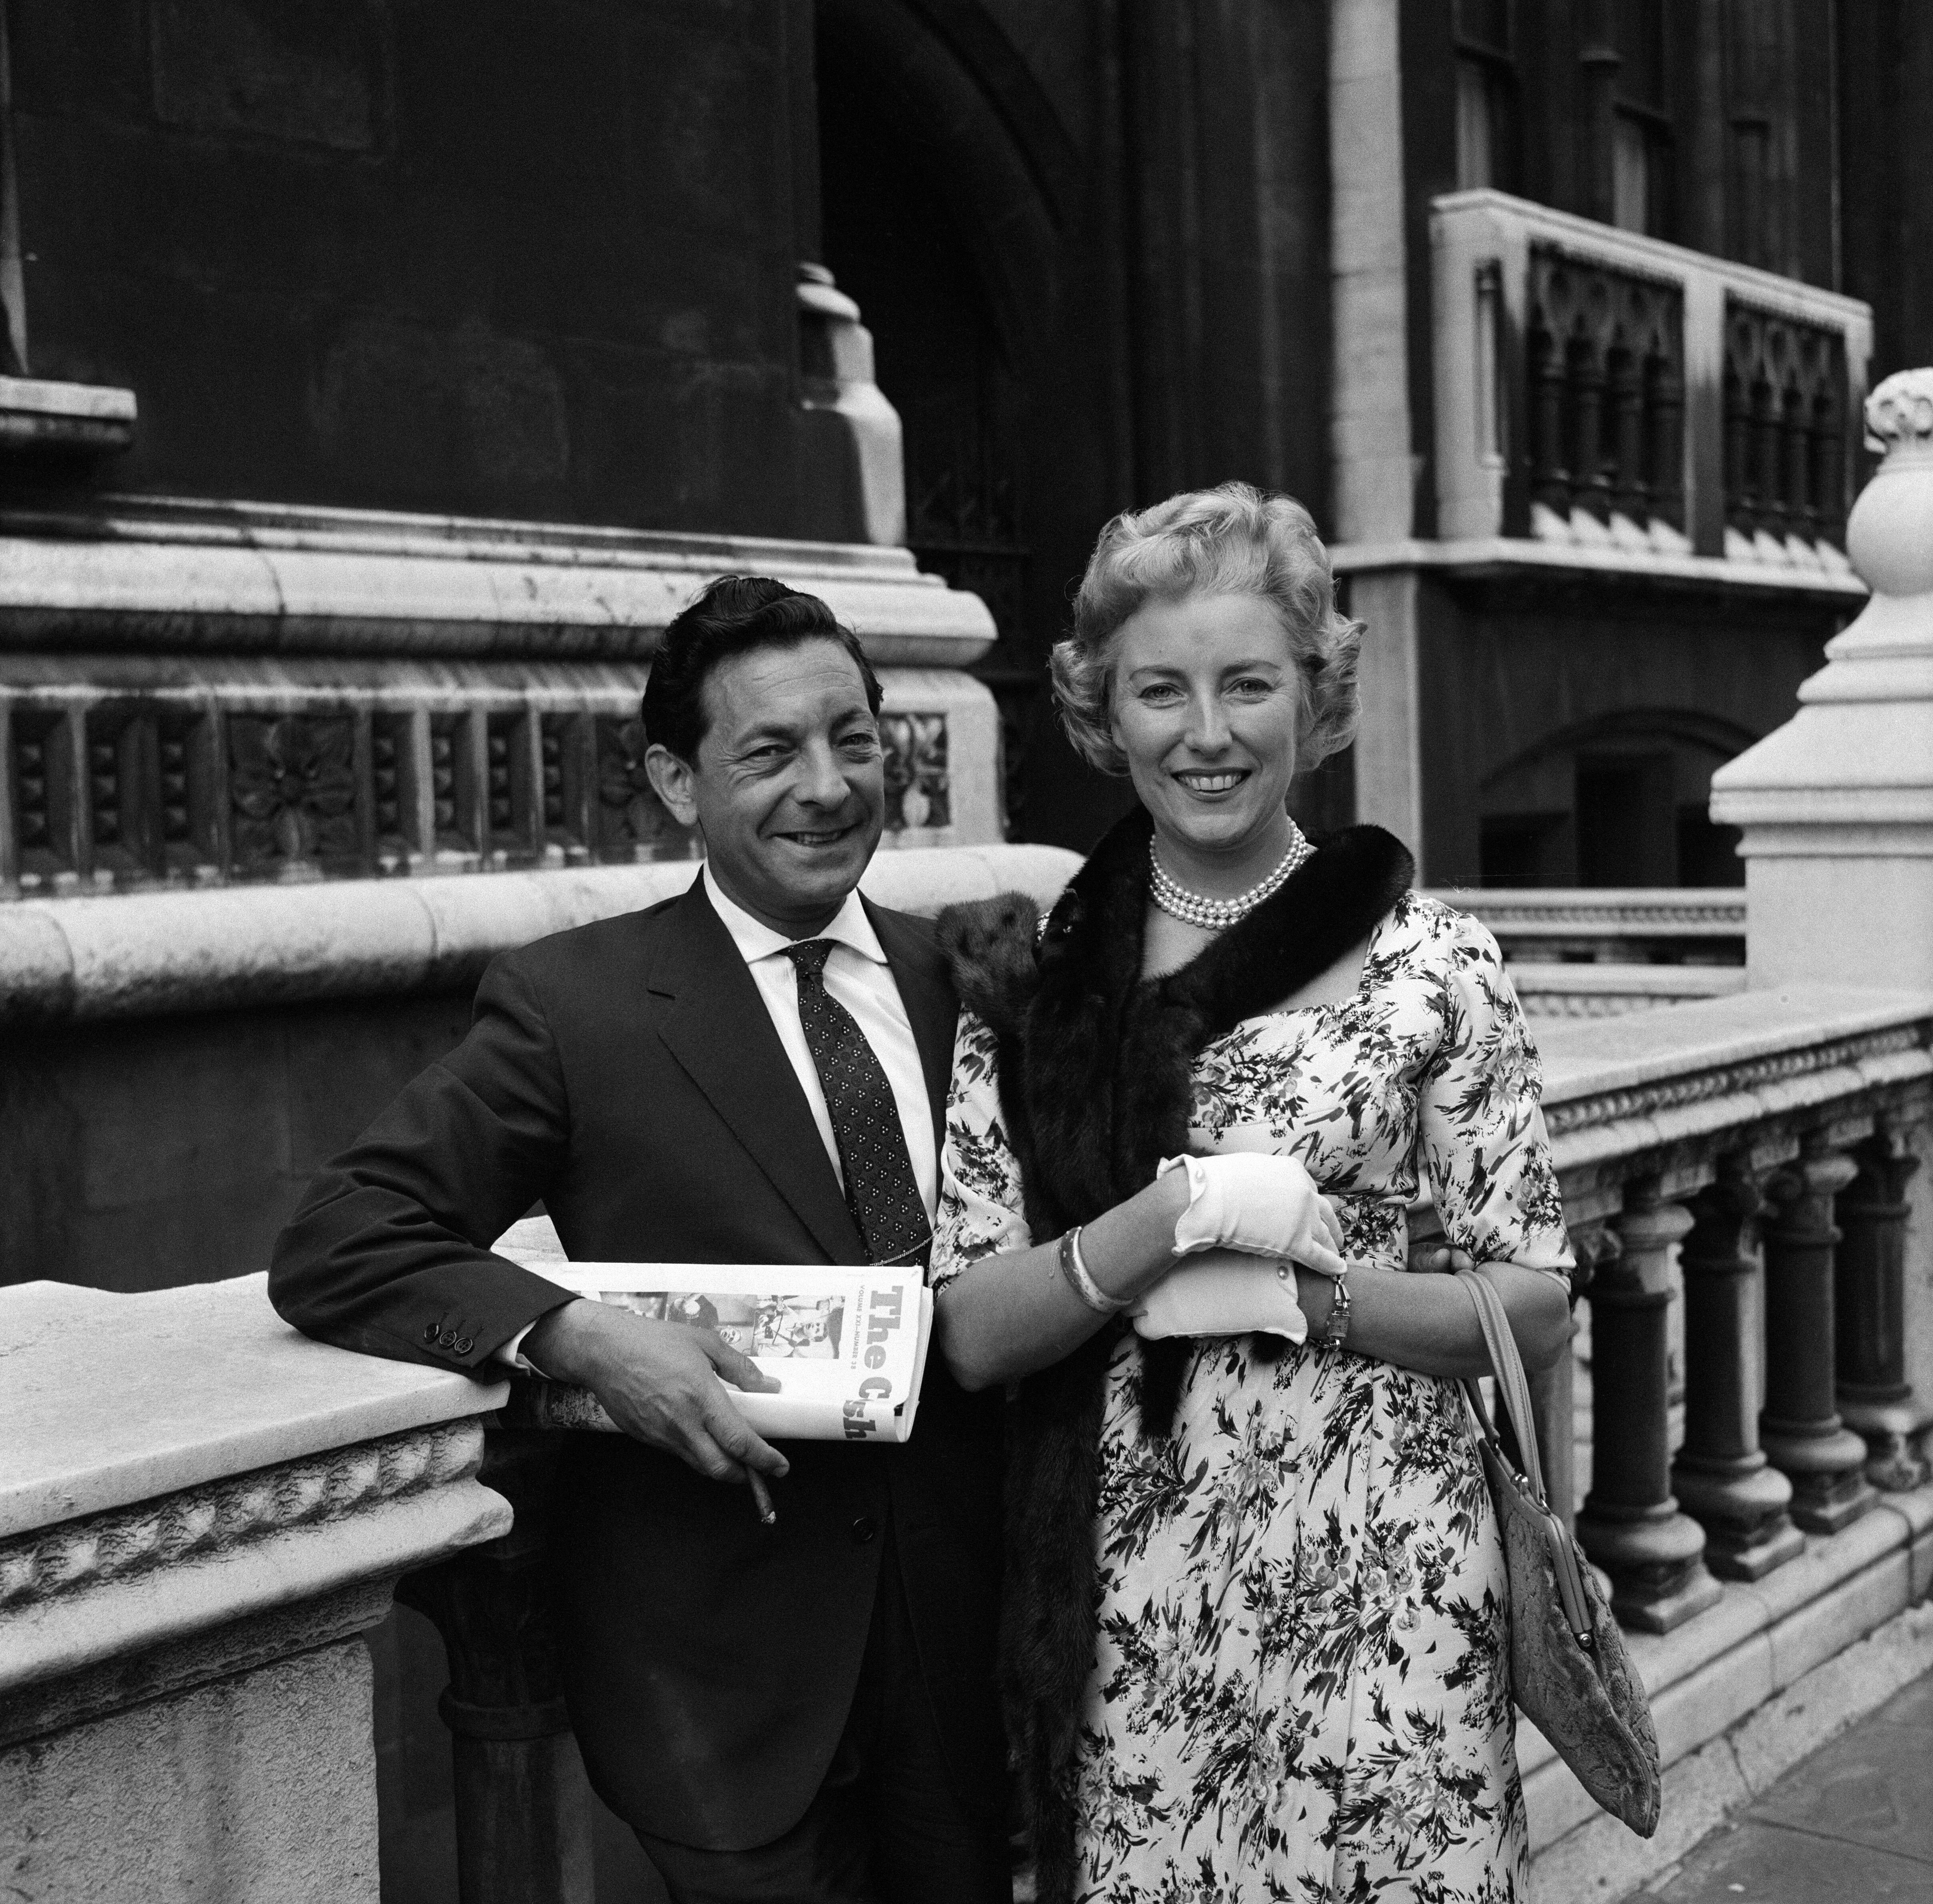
{"type": "Point", "coordinates": [1512, 1384]}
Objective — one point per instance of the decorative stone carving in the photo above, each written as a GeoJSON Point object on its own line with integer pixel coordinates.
{"type": "Point", "coordinates": [292, 784]}
{"type": "Point", "coordinates": [917, 787]}
{"type": "Point", "coordinates": [632, 815]}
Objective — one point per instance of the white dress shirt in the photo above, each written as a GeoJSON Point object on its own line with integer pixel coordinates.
{"type": "Point", "coordinates": [858, 977]}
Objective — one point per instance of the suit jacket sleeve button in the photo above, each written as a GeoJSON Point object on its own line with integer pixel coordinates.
{"type": "Point", "coordinates": [447, 1339]}
{"type": "Point", "coordinates": [864, 1529]}
{"type": "Point", "coordinates": [464, 1345]}
{"type": "Point", "coordinates": [429, 1332]}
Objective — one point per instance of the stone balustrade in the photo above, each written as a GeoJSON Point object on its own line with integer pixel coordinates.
{"type": "Point", "coordinates": [1744, 1156]}
{"type": "Point", "coordinates": [1600, 389]}
{"type": "Point", "coordinates": [200, 1513]}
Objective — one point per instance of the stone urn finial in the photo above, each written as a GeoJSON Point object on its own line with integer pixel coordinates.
{"type": "Point", "coordinates": [1899, 415]}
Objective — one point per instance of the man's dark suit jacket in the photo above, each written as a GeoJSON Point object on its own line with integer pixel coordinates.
{"type": "Point", "coordinates": [628, 1074]}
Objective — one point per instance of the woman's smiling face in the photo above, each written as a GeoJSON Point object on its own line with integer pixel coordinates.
{"type": "Point", "coordinates": [1207, 704]}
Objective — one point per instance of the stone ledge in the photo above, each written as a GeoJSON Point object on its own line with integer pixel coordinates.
{"type": "Point", "coordinates": [1622, 911]}
{"type": "Point", "coordinates": [87, 419]}
{"type": "Point", "coordinates": [1626, 1084]}
{"type": "Point", "coordinates": [1607, 990]}
{"type": "Point", "coordinates": [251, 577]}
{"type": "Point", "coordinates": [148, 954]}
{"type": "Point", "coordinates": [1757, 1640]}
{"type": "Point", "coordinates": [243, 1392]}
{"type": "Point", "coordinates": [196, 1620]}
{"type": "Point", "coordinates": [1523, 559]}
{"type": "Point", "coordinates": [1600, 1859]}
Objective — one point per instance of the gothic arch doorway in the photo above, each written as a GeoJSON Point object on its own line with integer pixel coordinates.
{"type": "Point", "coordinates": [931, 220]}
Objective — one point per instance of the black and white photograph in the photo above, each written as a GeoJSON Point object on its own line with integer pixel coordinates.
{"type": "Point", "coordinates": [966, 951]}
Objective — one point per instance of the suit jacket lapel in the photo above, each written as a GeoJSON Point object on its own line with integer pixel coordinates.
{"type": "Point", "coordinates": [932, 1010]}
{"type": "Point", "coordinates": [717, 1026]}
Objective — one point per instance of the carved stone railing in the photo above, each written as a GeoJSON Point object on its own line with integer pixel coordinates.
{"type": "Point", "coordinates": [200, 1513]}
{"type": "Point", "coordinates": [1744, 1156]}
{"type": "Point", "coordinates": [199, 695]}
{"type": "Point", "coordinates": [1600, 389]}
{"type": "Point", "coordinates": [1641, 925]}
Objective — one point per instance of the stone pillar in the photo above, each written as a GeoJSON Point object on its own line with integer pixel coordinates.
{"type": "Point", "coordinates": [1631, 1525]}
{"type": "Point", "coordinates": [1875, 1399]}
{"type": "Point", "coordinates": [186, 1570]}
{"type": "Point", "coordinates": [1803, 1435]}
{"type": "Point", "coordinates": [1836, 806]}
{"type": "Point", "coordinates": [1721, 1474]}
{"type": "Point", "coordinates": [523, 1804]}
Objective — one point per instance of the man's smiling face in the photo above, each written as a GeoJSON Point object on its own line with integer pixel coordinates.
{"type": "Point", "coordinates": [788, 786]}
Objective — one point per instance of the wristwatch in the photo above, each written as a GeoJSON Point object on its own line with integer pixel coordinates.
{"type": "Point", "coordinates": [1336, 1324]}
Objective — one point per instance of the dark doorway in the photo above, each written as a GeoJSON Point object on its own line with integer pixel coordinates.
{"type": "Point", "coordinates": [894, 241]}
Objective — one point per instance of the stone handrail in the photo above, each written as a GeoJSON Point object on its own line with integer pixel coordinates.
{"type": "Point", "coordinates": [144, 954]}
{"type": "Point", "coordinates": [1600, 389]}
{"type": "Point", "coordinates": [199, 1512]}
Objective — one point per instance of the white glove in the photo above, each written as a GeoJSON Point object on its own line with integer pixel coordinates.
{"type": "Point", "coordinates": [1222, 1297]}
{"type": "Point", "coordinates": [1266, 1204]}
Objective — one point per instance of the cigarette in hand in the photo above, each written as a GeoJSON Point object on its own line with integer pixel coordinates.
{"type": "Point", "coordinates": [761, 1498]}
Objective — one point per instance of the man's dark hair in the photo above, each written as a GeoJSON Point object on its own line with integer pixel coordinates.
{"type": "Point", "coordinates": [733, 615]}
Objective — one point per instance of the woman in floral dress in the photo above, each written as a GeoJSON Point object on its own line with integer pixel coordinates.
{"type": "Point", "coordinates": [1256, 1593]}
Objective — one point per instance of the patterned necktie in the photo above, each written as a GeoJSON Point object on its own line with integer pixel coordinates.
{"type": "Point", "coordinates": [881, 1191]}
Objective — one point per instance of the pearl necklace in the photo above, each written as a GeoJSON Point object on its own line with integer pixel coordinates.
{"type": "Point", "coordinates": [1214, 915]}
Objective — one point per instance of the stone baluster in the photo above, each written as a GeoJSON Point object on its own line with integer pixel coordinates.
{"type": "Point", "coordinates": [1875, 1399]}
{"type": "Point", "coordinates": [1550, 477]}
{"type": "Point", "coordinates": [523, 1804]}
{"type": "Point", "coordinates": [1631, 1525]}
{"type": "Point", "coordinates": [1665, 433]}
{"type": "Point", "coordinates": [1803, 1432]}
{"type": "Point", "coordinates": [1721, 1475]}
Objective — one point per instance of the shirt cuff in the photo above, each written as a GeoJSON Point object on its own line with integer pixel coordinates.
{"type": "Point", "coordinates": [511, 1353]}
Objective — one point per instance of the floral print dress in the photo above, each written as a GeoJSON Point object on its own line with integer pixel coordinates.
{"type": "Point", "coordinates": [1301, 1690]}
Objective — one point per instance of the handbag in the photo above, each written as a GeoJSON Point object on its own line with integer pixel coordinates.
{"type": "Point", "coordinates": [1569, 1671]}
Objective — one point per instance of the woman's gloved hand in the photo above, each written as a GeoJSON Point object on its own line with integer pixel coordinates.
{"type": "Point", "coordinates": [1268, 1205]}
{"type": "Point", "coordinates": [1227, 1293]}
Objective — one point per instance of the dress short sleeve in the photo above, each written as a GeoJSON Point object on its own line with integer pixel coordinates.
{"type": "Point", "coordinates": [980, 1197]}
{"type": "Point", "coordinates": [1483, 1147]}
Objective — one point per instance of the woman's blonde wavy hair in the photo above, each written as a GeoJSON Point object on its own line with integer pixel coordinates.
{"type": "Point", "coordinates": [1230, 540]}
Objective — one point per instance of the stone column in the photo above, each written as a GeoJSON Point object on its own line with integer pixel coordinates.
{"type": "Point", "coordinates": [1721, 1474]}
{"type": "Point", "coordinates": [523, 1804]}
{"type": "Point", "coordinates": [1803, 1434]}
{"type": "Point", "coordinates": [1631, 1525]}
{"type": "Point", "coordinates": [1875, 1399]}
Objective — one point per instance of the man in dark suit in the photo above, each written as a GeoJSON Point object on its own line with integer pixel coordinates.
{"type": "Point", "coordinates": [753, 1073]}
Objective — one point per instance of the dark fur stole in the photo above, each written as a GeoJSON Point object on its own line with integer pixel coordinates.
{"type": "Point", "coordinates": [1096, 1087]}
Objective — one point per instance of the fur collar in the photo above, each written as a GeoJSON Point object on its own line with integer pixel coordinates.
{"type": "Point", "coordinates": [1096, 1087]}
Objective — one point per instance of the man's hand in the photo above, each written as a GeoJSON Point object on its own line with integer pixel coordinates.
{"type": "Point", "coordinates": [659, 1382]}
{"type": "Point", "coordinates": [1442, 1262]}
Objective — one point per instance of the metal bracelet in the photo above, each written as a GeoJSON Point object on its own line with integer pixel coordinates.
{"type": "Point", "coordinates": [1336, 1324]}
{"type": "Point", "coordinates": [1081, 1283]}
